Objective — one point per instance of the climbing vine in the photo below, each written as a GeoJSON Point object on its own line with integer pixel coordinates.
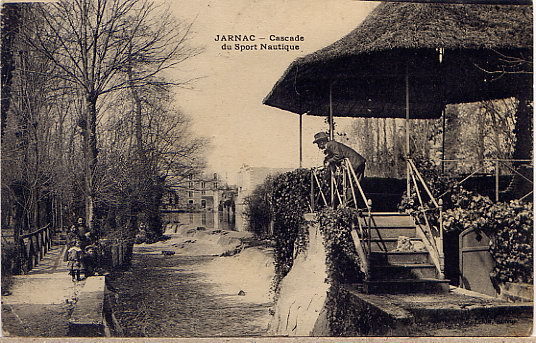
{"type": "Point", "coordinates": [290, 201]}
{"type": "Point", "coordinates": [508, 224]}
{"type": "Point", "coordinates": [510, 228]}
{"type": "Point", "coordinates": [342, 260]}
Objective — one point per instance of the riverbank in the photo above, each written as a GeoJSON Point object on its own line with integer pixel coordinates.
{"type": "Point", "coordinates": [192, 291]}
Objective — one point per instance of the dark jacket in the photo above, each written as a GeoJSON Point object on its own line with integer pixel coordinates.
{"type": "Point", "coordinates": [336, 152]}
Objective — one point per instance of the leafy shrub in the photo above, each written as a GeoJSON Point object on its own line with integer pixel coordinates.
{"type": "Point", "coordinates": [510, 228]}
{"type": "Point", "coordinates": [341, 257]}
{"type": "Point", "coordinates": [258, 208]}
{"type": "Point", "coordinates": [290, 201]}
{"type": "Point", "coordinates": [508, 224]}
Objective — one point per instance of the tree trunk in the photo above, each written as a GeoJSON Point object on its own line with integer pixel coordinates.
{"type": "Point", "coordinates": [11, 21]}
{"type": "Point", "coordinates": [91, 152]}
{"type": "Point", "coordinates": [140, 197]}
{"type": "Point", "coordinates": [523, 129]}
{"type": "Point", "coordinates": [395, 147]}
{"type": "Point", "coordinates": [522, 150]}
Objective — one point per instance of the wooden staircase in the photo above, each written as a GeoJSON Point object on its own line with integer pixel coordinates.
{"type": "Point", "coordinates": [391, 271]}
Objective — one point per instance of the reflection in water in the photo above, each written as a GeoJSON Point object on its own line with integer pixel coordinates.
{"type": "Point", "coordinates": [205, 218]}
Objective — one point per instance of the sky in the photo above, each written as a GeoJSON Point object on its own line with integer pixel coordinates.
{"type": "Point", "coordinates": [225, 105]}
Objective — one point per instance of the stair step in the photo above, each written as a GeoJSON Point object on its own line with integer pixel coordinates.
{"type": "Point", "coordinates": [388, 243]}
{"type": "Point", "coordinates": [393, 232]}
{"type": "Point", "coordinates": [390, 214]}
{"type": "Point", "coordinates": [387, 219]}
{"type": "Point", "coordinates": [404, 271]}
{"type": "Point", "coordinates": [396, 257]}
{"type": "Point", "coordinates": [406, 286]}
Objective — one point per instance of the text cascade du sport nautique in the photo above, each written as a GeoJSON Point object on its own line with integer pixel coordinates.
{"type": "Point", "coordinates": [250, 42]}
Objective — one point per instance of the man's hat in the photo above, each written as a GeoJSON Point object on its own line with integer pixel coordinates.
{"type": "Point", "coordinates": [321, 136]}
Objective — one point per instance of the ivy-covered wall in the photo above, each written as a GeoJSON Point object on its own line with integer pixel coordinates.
{"type": "Point", "coordinates": [510, 226]}
{"type": "Point", "coordinates": [341, 257]}
{"type": "Point", "coordinates": [290, 201]}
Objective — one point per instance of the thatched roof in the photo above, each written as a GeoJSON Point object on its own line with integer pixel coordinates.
{"type": "Point", "coordinates": [368, 65]}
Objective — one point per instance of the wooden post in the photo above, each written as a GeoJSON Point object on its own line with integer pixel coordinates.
{"type": "Point", "coordinates": [443, 144]}
{"type": "Point", "coordinates": [441, 238]}
{"type": "Point", "coordinates": [49, 239]}
{"type": "Point", "coordinates": [497, 171]}
{"type": "Point", "coordinates": [344, 200]}
{"type": "Point", "coordinates": [331, 186]}
{"type": "Point", "coordinates": [301, 140]}
{"type": "Point", "coordinates": [313, 191]}
{"type": "Point", "coordinates": [40, 244]}
{"type": "Point", "coordinates": [406, 127]}
{"type": "Point", "coordinates": [331, 125]}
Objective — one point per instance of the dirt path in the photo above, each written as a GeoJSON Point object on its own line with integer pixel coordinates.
{"type": "Point", "coordinates": [41, 301]}
{"type": "Point", "coordinates": [179, 296]}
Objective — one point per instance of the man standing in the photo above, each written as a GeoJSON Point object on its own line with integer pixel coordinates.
{"type": "Point", "coordinates": [336, 152]}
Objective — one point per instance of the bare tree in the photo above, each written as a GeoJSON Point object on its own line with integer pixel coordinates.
{"type": "Point", "coordinates": [129, 188]}
{"type": "Point", "coordinates": [94, 41]}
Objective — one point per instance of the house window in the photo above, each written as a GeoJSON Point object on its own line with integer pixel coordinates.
{"type": "Point", "coordinates": [190, 184]}
{"type": "Point", "coordinates": [190, 194]}
{"type": "Point", "coordinates": [190, 177]}
{"type": "Point", "coordinates": [215, 185]}
{"type": "Point", "coordinates": [203, 184]}
{"type": "Point", "coordinates": [203, 192]}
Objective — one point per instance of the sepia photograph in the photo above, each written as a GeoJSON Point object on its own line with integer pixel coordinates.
{"type": "Point", "coordinates": [267, 169]}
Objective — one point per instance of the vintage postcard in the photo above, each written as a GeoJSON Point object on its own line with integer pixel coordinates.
{"type": "Point", "coordinates": [272, 170]}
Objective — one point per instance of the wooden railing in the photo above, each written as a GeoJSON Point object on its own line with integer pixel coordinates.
{"type": "Point", "coordinates": [432, 235]}
{"type": "Point", "coordinates": [345, 191]}
{"type": "Point", "coordinates": [496, 165]}
{"type": "Point", "coordinates": [34, 246]}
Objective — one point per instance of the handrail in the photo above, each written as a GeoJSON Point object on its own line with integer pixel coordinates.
{"type": "Point", "coordinates": [421, 179]}
{"type": "Point", "coordinates": [360, 249]}
{"type": "Point", "coordinates": [319, 187]}
{"type": "Point", "coordinates": [496, 162]}
{"type": "Point", "coordinates": [26, 235]}
{"type": "Point", "coordinates": [435, 242]}
{"type": "Point", "coordinates": [352, 172]}
{"type": "Point", "coordinates": [359, 236]}
{"type": "Point", "coordinates": [35, 247]}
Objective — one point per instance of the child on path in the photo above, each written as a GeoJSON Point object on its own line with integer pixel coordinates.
{"type": "Point", "coordinates": [74, 259]}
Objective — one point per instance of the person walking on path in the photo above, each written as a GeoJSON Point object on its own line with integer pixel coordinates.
{"type": "Point", "coordinates": [74, 261]}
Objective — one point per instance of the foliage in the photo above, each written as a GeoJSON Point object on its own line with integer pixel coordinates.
{"type": "Point", "coordinates": [290, 201]}
{"type": "Point", "coordinates": [341, 257]}
{"type": "Point", "coordinates": [258, 208]}
{"type": "Point", "coordinates": [510, 228]}
{"type": "Point", "coordinates": [508, 224]}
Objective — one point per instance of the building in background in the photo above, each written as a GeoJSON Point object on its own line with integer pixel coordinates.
{"type": "Point", "coordinates": [193, 193]}
{"type": "Point", "coordinates": [198, 193]}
